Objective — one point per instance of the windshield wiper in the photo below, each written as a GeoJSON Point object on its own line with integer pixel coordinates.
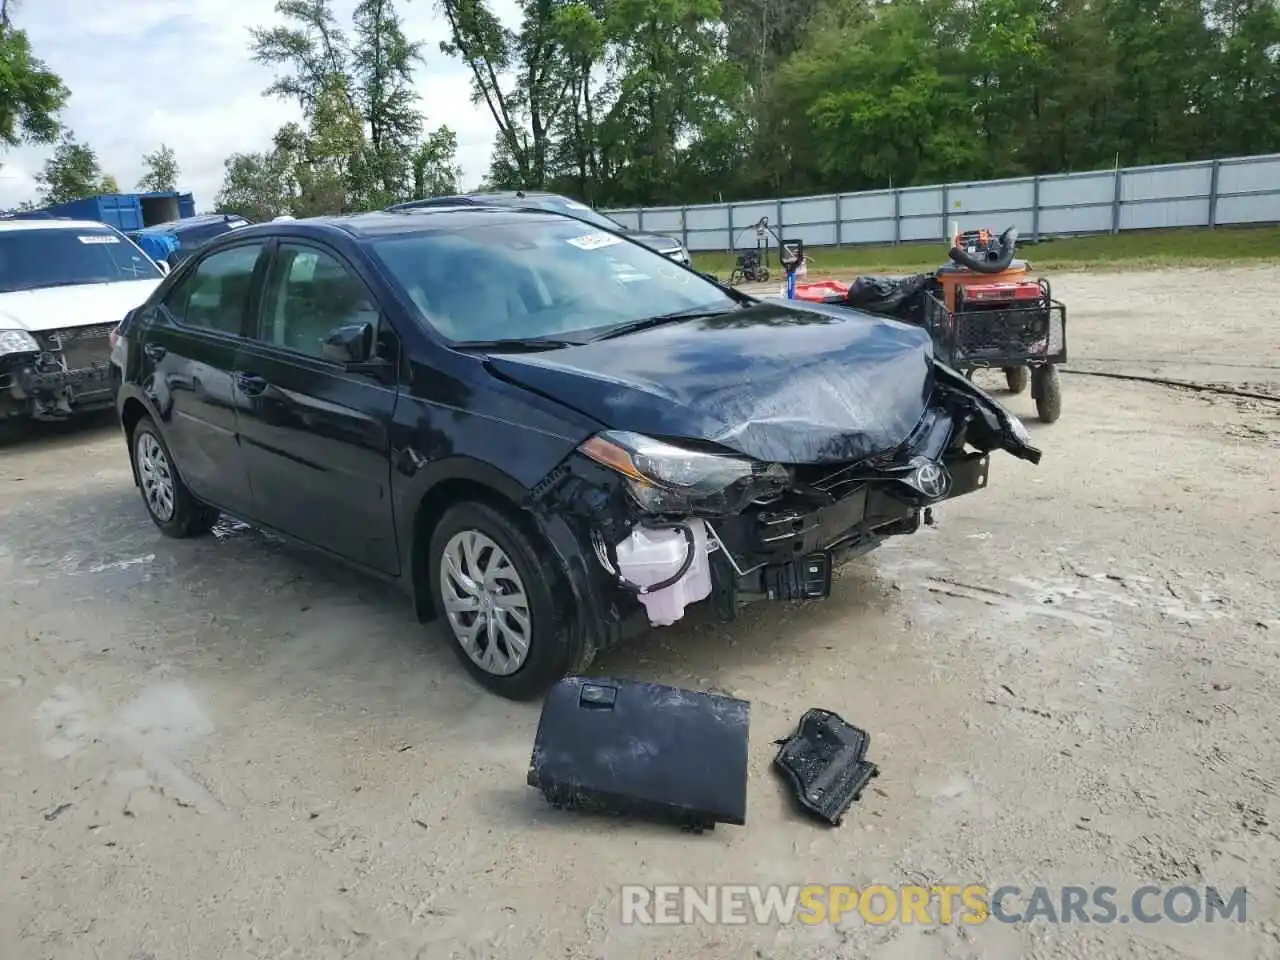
{"type": "Point", "coordinates": [514, 343]}
{"type": "Point", "coordinates": [697, 313]}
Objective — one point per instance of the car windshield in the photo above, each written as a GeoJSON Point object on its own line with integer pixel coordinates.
{"type": "Point", "coordinates": [65, 257]}
{"type": "Point", "coordinates": [539, 277]}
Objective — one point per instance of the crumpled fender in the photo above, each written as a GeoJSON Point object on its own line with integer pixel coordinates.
{"type": "Point", "coordinates": [1003, 427]}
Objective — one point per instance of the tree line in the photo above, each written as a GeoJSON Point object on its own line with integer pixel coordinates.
{"type": "Point", "coordinates": [631, 102]}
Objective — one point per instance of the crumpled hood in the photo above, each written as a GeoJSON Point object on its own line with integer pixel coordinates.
{"type": "Point", "coordinates": [54, 308]}
{"type": "Point", "coordinates": [777, 382]}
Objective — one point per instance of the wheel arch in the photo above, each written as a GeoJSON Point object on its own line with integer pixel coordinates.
{"type": "Point", "coordinates": [131, 413]}
{"type": "Point", "coordinates": [458, 480]}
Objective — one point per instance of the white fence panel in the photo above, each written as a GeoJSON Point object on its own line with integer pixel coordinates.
{"type": "Point", "coordinates": [1068, 220]}
{"type": "Point", "coordinates": [1249, 209]}
{"type": "Point", "coordinates": [1170, 213]}
{"type": "Point", "coordinates": [706, 218]}
{"type": "Point", "coordinates": [990, 197]}
{"type": "Point", "coordinates": [1077, 190]}
{"type": "Point", "coordinates": [1251, 175]}
{"type": "Point", "coordinates": [1236, 190]}
{"type": "Point", "coordinates": [1169, 183]}
{"type": "Point", "coordinates": [920, 201]}
{"type": "Point", "coordinates": [868, 231]}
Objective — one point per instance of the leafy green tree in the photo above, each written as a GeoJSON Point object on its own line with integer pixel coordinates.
{"type": "Point", "coordinates": [161, 170]}
{"type": "Point", "coordinates": [543, 58]}
{"type": "Point", "coordinates": [1244, 81]}
{"type": "Point", "coordinates": [435, 170]}
{"type": "Point", "coordinates": [623, 102]}
{"type": "Point", "coordinates": [382, 66]}
{"type": "Point", "coordinates": [31, 95]}
{"type": "Point", "coordinates": [72, 173]}
{"type": "Point", "coordinates": [362, 143]}
{"type": "Point", "coordinates": [258, 186]}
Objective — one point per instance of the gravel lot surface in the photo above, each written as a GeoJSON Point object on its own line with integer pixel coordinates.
{"type": "Point", "coordinates": [226, 748]}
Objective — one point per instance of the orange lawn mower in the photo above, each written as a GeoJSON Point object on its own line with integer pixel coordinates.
{"type": "Point", "coordinates": [982, 309]}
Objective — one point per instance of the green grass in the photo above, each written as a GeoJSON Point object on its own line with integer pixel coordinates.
{"type": "Point", "coordinates": [1125, 251]}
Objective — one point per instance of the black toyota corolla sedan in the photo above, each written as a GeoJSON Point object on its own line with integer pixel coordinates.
{"type": "Point", "coordinates": [552, 437]}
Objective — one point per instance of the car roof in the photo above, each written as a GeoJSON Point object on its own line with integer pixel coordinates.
{"type": "Point", "coordinates": [52, 223]}
{"type": "Point", "coordinates": [515, 195]}
{"type": "Point", "coordinates": [381, 223]}
{"type": "Point", "coordinates": [482, 197]}
{"type": "Point", "coordinates": [201, 220]}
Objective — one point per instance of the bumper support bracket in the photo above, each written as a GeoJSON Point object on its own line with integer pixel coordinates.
{"type": "Point", "coordinates": [825, 763]}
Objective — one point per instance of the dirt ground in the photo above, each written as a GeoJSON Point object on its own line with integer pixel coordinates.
{"type": "Point", "coordinates": [225, 748]}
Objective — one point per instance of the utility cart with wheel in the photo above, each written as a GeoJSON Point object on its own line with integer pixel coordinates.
{"type": "Point", "coordinates": [983, 310]}
{"type": "Point", "coordinates": [987, 313]}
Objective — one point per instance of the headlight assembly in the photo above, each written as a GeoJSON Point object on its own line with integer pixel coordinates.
{"type": "Point", "coordinates": [18, 341]}
{"type": "Point", "coordinates": [664, 478]}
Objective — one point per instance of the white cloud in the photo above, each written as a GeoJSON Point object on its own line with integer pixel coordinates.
{"type": "Point", "coordinates": [143, 72]}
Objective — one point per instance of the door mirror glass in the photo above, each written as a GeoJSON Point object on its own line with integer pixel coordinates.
{"type": "Point", "coordinates": [349, 343]}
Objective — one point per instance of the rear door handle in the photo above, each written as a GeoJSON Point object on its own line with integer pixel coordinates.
{"type": "Point", "coordinates": [251, 384]}
{"type": "Point", "coordinates": [154, 351]}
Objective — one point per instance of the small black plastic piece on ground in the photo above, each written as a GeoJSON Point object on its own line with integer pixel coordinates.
{"type": "Point", "coordinates": [824, 761]}
{"type": "Point", "coordinates": [645, 750]}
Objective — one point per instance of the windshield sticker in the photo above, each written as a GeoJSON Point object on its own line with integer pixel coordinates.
{"type": "Point", "coordinates": [594, 241]}
{"type": "Point", "coordinates": [100, 238]}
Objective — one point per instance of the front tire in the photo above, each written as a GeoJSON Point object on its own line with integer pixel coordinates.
{"type": "Point", "coordinates": [1047, 392]}
{"type": "Point", "coordinates": [168, 501]}
{"type": "Point", "coordinates": [497, 603]}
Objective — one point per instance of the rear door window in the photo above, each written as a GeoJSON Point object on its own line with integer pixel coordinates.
{"type": "Point", "coordinates": [215, 295]}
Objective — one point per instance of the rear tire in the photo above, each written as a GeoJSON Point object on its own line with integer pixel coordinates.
{"type": "Point", "coordinates": [500, 612]}
{"type": "Point", "coordinates": [1047, 391]}
{"type": "Point", "coordinates": [1017, 378]}
{"type": "Point", "coordinates": [169, 503]}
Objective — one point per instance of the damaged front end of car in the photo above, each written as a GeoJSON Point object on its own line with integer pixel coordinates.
{"type": "Point", "coordinates": [669, 522]}
{"type": "Point", "coordinates": [49, 375]}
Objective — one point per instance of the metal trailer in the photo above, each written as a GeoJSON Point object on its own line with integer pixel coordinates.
{"type": "Point", "coordinates": [126, 212]}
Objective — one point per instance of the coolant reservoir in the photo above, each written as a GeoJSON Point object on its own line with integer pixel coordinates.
{"type": "Point", "coordinates": [651, 556]}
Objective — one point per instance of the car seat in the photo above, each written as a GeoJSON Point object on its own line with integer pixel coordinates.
{"type": "Point", "coordinates": [461, 296]}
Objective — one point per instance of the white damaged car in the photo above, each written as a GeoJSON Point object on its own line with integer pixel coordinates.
{"type": "Point", "coordinates": [64, 286]}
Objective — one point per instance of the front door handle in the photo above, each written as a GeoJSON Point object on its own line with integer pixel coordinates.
{"type": "Point", "coordinates": [251, 385]}
{"type": "Point", "coordinates": [154, 351]}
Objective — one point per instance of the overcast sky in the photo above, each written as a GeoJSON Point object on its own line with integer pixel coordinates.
{"type": "Point", "coordinates": [146, 72]}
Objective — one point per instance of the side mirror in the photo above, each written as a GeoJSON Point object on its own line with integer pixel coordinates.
{"type": "Point", "coordinates": [349, 343]}
{"type": "Point", "coordinates": [352, 346]}
{"type": "Point", "coordinates": [164, 267]}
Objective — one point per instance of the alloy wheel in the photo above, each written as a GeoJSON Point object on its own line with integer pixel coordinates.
{"type": "Point", "coordinates": [156, 477]}
{"type": "Point", "coordinates": [485, 602]}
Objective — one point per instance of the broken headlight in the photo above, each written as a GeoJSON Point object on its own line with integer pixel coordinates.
{"type": "Point", "coordinates": [17, 341]}
{"type": "Point", "coordinates": [664, 478]}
